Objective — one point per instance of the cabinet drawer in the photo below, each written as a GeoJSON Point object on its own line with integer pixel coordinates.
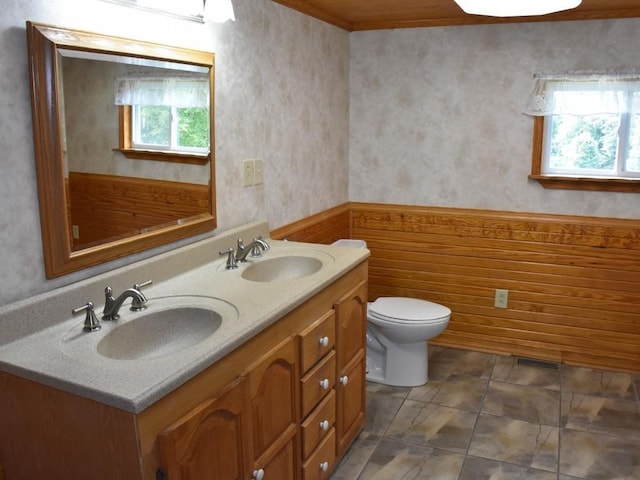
{"type": "Point", "coordinates": [316, 340]}
{"type": "Point", "coordinates": [320, 465]}
{"type": "Point", "coordinates": [317, 383]}
{"type": "Point", "coordinates": [318, 423]}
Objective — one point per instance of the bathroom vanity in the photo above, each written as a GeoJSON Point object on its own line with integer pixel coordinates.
{"type": "Point", "coordinates": [275, 391]}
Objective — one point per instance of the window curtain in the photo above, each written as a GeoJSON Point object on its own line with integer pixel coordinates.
{"type": "Point", "coordinates": [178, 91]}
{"type": "Point", "coordinates": [585, 93]}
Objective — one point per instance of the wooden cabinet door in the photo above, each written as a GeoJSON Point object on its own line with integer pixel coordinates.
{"type": "Point", "coordinates": [274, 398]}
{"type": "Point", "coordinates": [351, 321]}
{"type": "Point", "coordinates": [351, 400]}
{"type": "Point", "coordinates": [282, 464]}
{"type": "Point", "coordinates": [212, 441]}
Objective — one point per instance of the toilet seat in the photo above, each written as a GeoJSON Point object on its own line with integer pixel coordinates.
{"type": "Point", "coordinates": [407, 311]}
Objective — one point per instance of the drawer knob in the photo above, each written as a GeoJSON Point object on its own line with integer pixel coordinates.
{"type": "Point", "coordinates": [344, 380]}
{"type": "Point", "coordinates": [324, 425]}
{"type": "Point", "coordinates": [324, 383]}
{"type": "Point", "coordinates": [258, 474]}
{"type": "Point", "coordinates": [324, 341]}
{"type": "Point", "coordinates": [324, 466]}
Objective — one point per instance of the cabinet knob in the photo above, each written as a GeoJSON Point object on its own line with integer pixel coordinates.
{"type": "Point", "coordinates": [258, 474]}
{"type": "Point", "coordinates": [324, 466]}
{"type": "Point", "coordinates": [324, 341]}
{"type": "Point", "coordinates": [324, 425]}
{"type": "Point", "coordinates": [324, 383]}
{"type": "Point", "coordinates": [344, 380]}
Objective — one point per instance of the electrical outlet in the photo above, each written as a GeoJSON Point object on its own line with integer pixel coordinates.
{"type": "Point", "coordinates": [501, 298]}
{"type": "Point", "coordinates": [247, 173]}
{"type": "Point", "coordinates": [75, 231]}
{"type": "Point", "coordinates": [257, 171]}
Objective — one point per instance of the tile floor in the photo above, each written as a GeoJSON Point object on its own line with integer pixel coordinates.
{"type": "Point", "coordinates": [484, 416]}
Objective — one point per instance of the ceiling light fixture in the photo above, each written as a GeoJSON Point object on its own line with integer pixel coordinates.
{"type": "Point", "coordinates": [515, 8]}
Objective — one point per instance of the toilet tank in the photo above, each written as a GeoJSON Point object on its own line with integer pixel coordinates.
{"type": "Point", "coordinates": [346, 242]}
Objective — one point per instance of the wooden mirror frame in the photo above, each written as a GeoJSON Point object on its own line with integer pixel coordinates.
{"type": "Point", "coordinates": [43, 44]}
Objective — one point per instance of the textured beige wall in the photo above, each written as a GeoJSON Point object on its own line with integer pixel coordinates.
{"type": "Point", "coordinates": [281, 95]}
{"type": "Point", "coordinates": [436, 113]}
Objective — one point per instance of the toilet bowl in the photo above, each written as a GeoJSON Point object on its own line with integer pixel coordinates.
{"type": "Point", "coordinates": [397, 332]}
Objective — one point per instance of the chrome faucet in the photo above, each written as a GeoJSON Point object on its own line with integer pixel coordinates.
{"type": "Point", "coordinates": [254, 248]}
{"type": "Point", "coordinates": [112, 305]}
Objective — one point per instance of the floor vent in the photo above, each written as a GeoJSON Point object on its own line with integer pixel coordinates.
{"type": "Point", "coordinates": [532, 362]}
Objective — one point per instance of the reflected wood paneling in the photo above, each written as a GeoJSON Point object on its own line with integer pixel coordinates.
{"type": "Point", "coordinates": [573, 281]}
{"type": "Point", "coordinates": [108, 206]}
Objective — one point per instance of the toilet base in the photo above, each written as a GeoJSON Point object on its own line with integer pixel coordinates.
{"type": "Point", "coordinates": [406, 366]}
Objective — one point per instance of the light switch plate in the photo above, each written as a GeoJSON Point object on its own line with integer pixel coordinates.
{"type": "Point", "coordinates": [247, 173]}
{"type": "Point", "coordinates": [257, 171]}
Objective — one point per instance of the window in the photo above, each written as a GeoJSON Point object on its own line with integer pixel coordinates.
{"type": "Point", "coordinates": [164, 117]}
{"type": "Point", "coordinates": [587, 131]}
{"type": "Point", "coordinates": [170, 128]}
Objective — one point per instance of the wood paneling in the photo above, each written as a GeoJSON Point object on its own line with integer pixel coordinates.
{"type": "Point", "coordinates": [109, 206]}
{"type": "Point", "coordinates": [324, 227]}
{"type": "Point", "coordinates": [574, 282]}
{"type": "Point", "coordinates": [383, 14]}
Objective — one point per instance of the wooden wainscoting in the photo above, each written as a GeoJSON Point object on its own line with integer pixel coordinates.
{"type": "Point", "coordinates": [573, 282]}
{"type": "Point", "coordinates": [106, 206]}
{"type": "Point", "coordinates": [324, 227]}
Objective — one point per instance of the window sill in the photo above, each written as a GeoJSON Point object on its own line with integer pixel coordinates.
{"type": "Point", "coordinates": [164, 156]}
{"type": "Point", "coordinates": [604, 184]}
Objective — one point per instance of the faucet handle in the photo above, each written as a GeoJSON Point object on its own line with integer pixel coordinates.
{"type": "Point", "coordinates": [91, 322]}
{"type": "Point", "coordinates": [231, 258]}
{"type": "Point", "coordinates": [138, 304]}
{"type": "Point", "coordinates": [259, 245]}
{"type": "Point", "coordinates": [138, 286]}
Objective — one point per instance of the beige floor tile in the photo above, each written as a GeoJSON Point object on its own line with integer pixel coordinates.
{"type": "Point", "coordinates": [483, 469]}
{"type": "Point", "coordinates": [514, 441]}
{"type": "Point", "coordinates": [395, 460]}
{"type": "Point", "coordinates": [507, 369]}
{"type": "Point", "coordinates": [599, 457]}
{"type": "Point", "coordinates": [597, 382]}
{"type": "Point", "coordinates": [522, 402]}
{"type": "Point", "coordinates": [356, 457]}
{"type": "Point", "coordinates": [461, 362]}
{"type": "Point", "coordinates": [381, 410]}
{"type": "Point", "coordinates": [604, 415]}
{"type": "Point", "coordinates": [450, 390]}
{"type": "Point", "coordinates": [433, 425]}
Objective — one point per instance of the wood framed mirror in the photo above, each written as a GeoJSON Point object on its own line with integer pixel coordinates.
{"type": "Point", "coordinates": [103, 196]}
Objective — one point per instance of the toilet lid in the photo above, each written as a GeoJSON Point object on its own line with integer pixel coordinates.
{"type": "Point", "coordinates": [407, 310]}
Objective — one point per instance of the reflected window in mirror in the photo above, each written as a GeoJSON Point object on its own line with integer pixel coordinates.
{"type": "Point", "coordinates": [164, 114]}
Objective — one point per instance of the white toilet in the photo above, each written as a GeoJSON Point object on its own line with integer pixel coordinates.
{"type": "Point", "coordinates": [397, 332]}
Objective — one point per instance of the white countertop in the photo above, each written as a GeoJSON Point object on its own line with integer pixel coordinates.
{"type": "Point", "coordinates": [49, 346]}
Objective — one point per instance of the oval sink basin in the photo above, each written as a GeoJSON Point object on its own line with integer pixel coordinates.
{"type": "Point", "coordinates": [282, 268]}
{"type": "Point", "coordinates": [153, 334]}
{"type": "Point", "coordinates": [173, 324]}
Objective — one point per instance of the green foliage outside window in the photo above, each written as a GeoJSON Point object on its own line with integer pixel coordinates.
{"type": "Point", "coordinates": [168, 128]}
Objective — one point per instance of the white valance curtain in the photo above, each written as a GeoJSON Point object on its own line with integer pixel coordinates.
{"type": "Point", "coordinates": [585, 93]}
{"type": "Point", "coordinates": [174, 90]}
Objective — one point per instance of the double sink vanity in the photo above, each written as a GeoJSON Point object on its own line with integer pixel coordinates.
{"type": "Point", "coordinates": [228, 373]}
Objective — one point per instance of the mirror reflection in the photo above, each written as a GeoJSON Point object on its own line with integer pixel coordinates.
{"type": "Point", "coordinates": [117, 111]}
{"type": "Point", "coordinates": [123, 139]}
